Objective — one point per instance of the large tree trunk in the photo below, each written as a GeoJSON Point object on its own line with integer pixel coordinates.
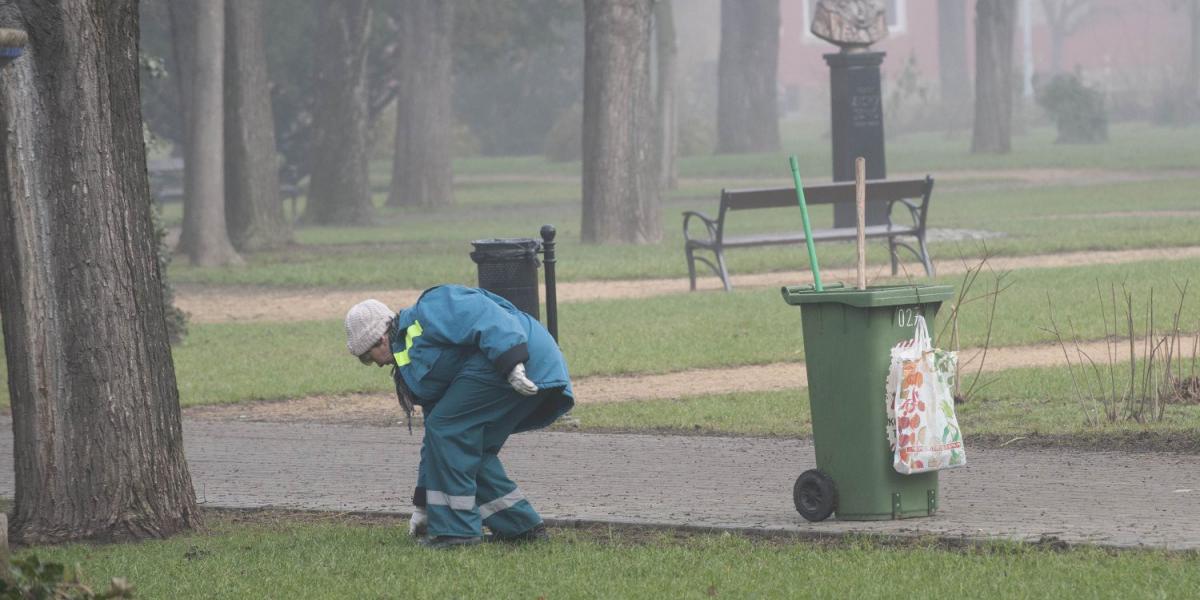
{"type": "Point", "coordinates": [747, 112]}
{"type": "Point", "coordinates": [339, 191]}
{"type": "Point", "coordinates": [97, 441]}
{"type": "Point", "coordinates": [995, 24]}
{"type": "Point", "coordinates": [253, 207]}
{"type": "Point", "coordinates": [952, 61]}
{"type": "Point", "coordinates": [620, 189]}
{"type": "Point", "coordinates": [421, 166]}
{"type": "Point", "coordinates": [667, 51]}
{"type": "Point", "coordinates": [209, 243]}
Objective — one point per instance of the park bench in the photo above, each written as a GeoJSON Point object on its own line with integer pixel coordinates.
{"type": "Point", "coordinates": [166, 183]}
{"type": "Point", "coordinates": [913, 194]}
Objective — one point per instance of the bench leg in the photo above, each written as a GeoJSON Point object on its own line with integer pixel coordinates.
{"type": "Point", "coordinates": [724, 271]}
{"type": "Point", "coordinates": [895, 259]}
{"type": "Point", "coordinates": [925, 258]}
{"type": "Point", "coordinates": [691, 262]}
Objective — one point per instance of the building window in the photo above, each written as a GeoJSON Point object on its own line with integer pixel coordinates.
{"type": "Point", "coordinates": [897, 19]}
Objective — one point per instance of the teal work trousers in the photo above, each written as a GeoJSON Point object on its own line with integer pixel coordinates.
{"type": "Point", "coordinates": [465, 484]}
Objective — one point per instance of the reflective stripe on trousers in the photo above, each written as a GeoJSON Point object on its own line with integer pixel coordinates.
{"type": "Point", "coordinates": [454, 502]}
{"type": "Point", "coordinates": [486, 509]}
{"type": "Point", "coordinates": [508, 500]}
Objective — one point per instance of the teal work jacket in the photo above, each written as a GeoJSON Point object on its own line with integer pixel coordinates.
{"type": "Point", "coordinates": [456, 331]}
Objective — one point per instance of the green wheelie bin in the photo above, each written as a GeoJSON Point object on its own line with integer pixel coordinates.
{"type": "Point", "coordinates": [848, 337]}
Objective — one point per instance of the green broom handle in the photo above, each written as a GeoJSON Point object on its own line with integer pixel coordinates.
{"type": "Point", "coordinates": [812, 251]}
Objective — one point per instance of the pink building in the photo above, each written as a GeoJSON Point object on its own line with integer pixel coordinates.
{"type": "Point", "coordinates": [1122, 47]}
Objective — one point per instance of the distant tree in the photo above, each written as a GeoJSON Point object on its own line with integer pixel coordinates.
{"type": "Point", "coordinates": [1193, 72]}
{"type": "Point", "coordinates": [952, 60]}
{"type": "Point", "coordinates": [995, 24]}
{"type": "Point", "coordinates": [253, 207]}
{"type": "Point", "coordinates": [182, 20]}
{"type": "Point", "coordinates": [339, 191]}
{"type": "Point", "coordinates": [516, 71]}
{"type": "Point", "coordinates": [747, 113]}
{"type": "Point", "coordinates": [291, 28]}
{"type": "Point", "coordinates": [421, 165]}
{"type": "Point", "coordinates": [620, 188]}
{"type": "Point", "coordinates": [97, 438]}
{"type": "Point", "coordinates": [208, 240]}
{"type": "Point", "coordinates": [667, 50]}
{"type": "Point", "coordinates": [1064, 18]}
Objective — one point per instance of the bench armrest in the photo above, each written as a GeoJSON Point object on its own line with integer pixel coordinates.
{"type": "Point", "coordinates": [914, 210]}
{"type": "Point", "coordinates": [709, 224]}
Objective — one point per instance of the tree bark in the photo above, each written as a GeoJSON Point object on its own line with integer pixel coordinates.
{"type": "Point", "coordinates": [747, 111]}
{"type": "Point", "coordinates": [995, 24]}
{"type": "Point", "coordinates": [339, 190]}
{"type": "Point", "coordinates": [620, 195]}
{"type": "Point", "coordinates": [952, 60]}
{"type": "Point", "coordinates": [183, 45]}
{"type": "Point", "coordinates": [667, 54]}
{"type": "Point", "coordinates": [209, 239]}
{"type": "Point", "coordinates": [422, 173]}
{"type": "Point", "coordinates": [253, 207]}
{"type": "Point", "coordinates": [97, 441]}
{"type": "Point", "coordinates": [1194, 54]}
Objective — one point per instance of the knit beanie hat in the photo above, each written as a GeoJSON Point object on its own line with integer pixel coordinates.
{"type": "Point", "coordinates": [366, 322]}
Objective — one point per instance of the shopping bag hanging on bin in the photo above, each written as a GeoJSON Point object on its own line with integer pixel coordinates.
{"type": "Point", "coordinates": [922, 429]}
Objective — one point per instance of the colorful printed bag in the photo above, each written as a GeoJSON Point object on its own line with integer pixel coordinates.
{"type": "Point", "coordinates": [922, 429]}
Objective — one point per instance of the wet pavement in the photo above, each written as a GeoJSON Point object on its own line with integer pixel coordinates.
{"type": "Point", "coordinates": [1109, 498]}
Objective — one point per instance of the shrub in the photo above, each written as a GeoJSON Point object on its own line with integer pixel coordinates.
{"type": "Point", "coordinates": [1076, 109]}
{"type": "Point", "coordinates": [32, 578]}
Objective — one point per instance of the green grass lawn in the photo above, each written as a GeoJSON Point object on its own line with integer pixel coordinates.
{"type": "Point", "coordinates": [417, 250]}
{"type": "Point", "coordinates": [332, 557]}
{"type": "Point", "coordinates": [1016, 403]}
{"type": "Point", "coordinates": [660, 334]}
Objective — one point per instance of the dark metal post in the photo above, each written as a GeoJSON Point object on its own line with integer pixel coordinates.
{"type": "Point", "coordinates": [857, 113]}
{"type": "Point", "coordinates": [551, 295]}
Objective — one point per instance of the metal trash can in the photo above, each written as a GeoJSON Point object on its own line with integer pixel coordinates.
{"type": "Point", "coordinates": [509, 268]}
{"type": "Point", "coordinates": [848, 337]}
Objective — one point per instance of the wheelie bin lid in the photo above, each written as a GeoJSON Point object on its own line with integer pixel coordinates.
{"type": "Point", "coordinates": [884, 295]}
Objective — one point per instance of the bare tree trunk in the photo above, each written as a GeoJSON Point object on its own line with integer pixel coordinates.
{"type": "Point", "coordinates": [1194, 55]}
{"type": "Point", "coordinates": [952, 60]}
{"type": "Point", "coordinates": [667, 51]}
{"type": "Point", "coordinates": [747, 111]}
{"type": "Point", "coordinates": [1057, 38]}
{"type": "Point", "coordinates": [183, 44]}
{"type": "Point", "coordinates": [995, 24]}
{"type": "Point", "coordinates": [1063, 18]}
{"type": "Point", "coordinates": [620, 191]}
{"type": "Point", "coordinates": [422, 173]}
{"type": "Point", "coordinates": [339, 191]}
{"type": "Point", "coordinates": [253, 207]}
{"type": "Point", "coordinates": [209, 240]}
{"type": "Point", "coordinates": [97, 441]}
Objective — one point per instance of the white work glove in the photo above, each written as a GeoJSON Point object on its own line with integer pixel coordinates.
{"type": "Point", "coordinates": [418, 525]}
{"type": "Point", "coordinates": [521, 383]}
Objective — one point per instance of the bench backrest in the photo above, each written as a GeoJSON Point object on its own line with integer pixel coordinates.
{"type": "Point", "coordinates": [878, 190]}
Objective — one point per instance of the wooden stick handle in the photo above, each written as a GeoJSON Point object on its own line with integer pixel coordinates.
{"type": "Point", "coordinates": [860, 205]}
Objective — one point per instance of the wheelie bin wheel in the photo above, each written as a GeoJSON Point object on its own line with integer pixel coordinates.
{"type": "Point", "coordinates": [815, 495]}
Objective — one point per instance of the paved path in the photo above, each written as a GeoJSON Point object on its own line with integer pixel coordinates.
{"type": "Point", "coordinates": [1108, 498]}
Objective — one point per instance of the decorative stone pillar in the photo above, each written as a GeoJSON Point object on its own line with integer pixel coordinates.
{"type": "Point", "coordinates": [856, 107]}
